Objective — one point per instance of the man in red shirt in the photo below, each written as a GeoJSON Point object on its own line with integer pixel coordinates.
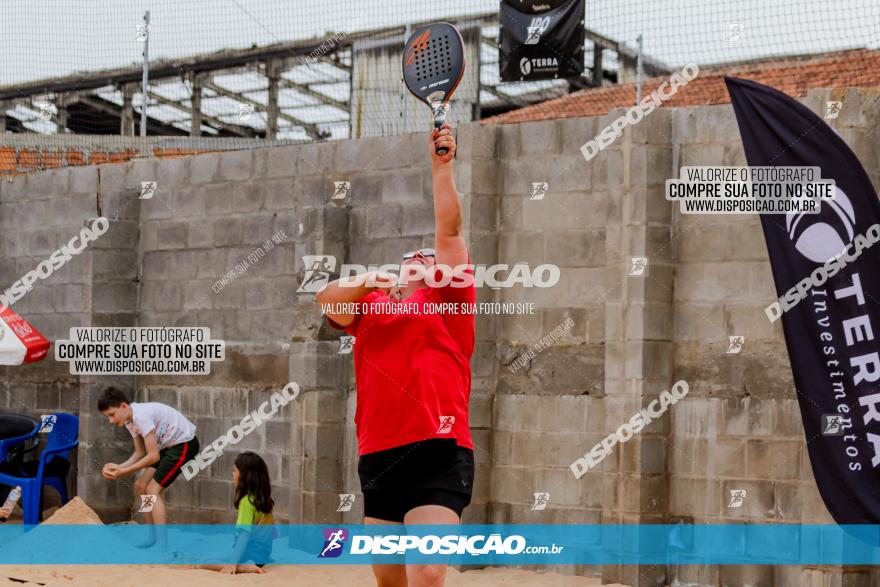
{"type": "Point", "coordinates": [414, 341]}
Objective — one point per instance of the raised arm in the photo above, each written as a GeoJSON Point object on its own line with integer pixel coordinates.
{"type": "Point", "coordinates": [448, 240]}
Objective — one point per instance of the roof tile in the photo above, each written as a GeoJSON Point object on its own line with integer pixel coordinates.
{"type": "Point", "coordinates": [794, 76]}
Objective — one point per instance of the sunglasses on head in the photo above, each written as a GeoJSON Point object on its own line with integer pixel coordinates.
{"type": "Point", "coordinates": [422, 252]}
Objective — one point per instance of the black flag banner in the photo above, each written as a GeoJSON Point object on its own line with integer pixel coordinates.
{"type": "Point", "coordinates": [541, 39]}
{"type": "Point", "coordinates": [831, 334]}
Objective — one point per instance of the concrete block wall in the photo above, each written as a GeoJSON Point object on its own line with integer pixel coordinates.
{"type": "Point", "coordinates": [39, 214]}
{"type": "Point", "coordinates": [477, 179]}
{"type": "Point", "coordinates": [208, 215]}
{"type": "Point", "coordinates": [112, 286]}
{"type": "Point", "coordinates": [632, 336]}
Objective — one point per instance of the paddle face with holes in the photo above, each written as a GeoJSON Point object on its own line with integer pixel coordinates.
{"type": "Point", "coordinates": [433, 65]}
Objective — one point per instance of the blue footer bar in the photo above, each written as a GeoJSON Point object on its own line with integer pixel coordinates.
{"type": "Point", "coordinates": [504, 544]}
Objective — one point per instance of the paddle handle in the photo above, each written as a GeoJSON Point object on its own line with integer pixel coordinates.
{"type": "Point", "coordinates": [438, 124]}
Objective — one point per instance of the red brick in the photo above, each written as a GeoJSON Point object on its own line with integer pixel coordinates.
{"type": "Point", "coordinates": [28, 158]}
{"type": "Point", "coordinates": [75, 158]}
{"type": "Point", "coordinates": [7, 159]}
{"type": "Point", "coordinates": [119, 157]}
{"type": "Point", "coordinates": [165, 153]}
{"type": "Point", "coordinates": [52, 159]}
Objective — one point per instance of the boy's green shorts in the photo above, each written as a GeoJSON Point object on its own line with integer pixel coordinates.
{"type": "Point", "coordinates": [171, 461]}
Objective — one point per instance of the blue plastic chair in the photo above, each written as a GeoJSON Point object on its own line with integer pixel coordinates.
{"type": "Point", "coordinates": [63, 438]}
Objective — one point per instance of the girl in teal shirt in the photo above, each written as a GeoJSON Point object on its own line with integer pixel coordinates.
{"type": "Point", "coordinates": [255, 527]}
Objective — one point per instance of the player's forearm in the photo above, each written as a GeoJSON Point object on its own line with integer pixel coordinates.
{"type": "Point", "coordinates": [132, 459]}
{"type": "Point", "coordinates": [148, 460]}
{"type": "Point", "coordinates": [349, 289]}
{"type": "Point", "coordinates": [447, 207]}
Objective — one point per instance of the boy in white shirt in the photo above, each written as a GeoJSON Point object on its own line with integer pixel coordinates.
{"type": "Point", "coordinates": [163, 441]}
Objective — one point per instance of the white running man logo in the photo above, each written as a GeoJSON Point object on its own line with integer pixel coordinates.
{"type": "Point", "coordinates": [334, 543]}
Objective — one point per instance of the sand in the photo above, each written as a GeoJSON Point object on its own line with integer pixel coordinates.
{"type": "Point", "coordinates": [276, 576]}
{"type": "Point", "coordinates": [76, 511]}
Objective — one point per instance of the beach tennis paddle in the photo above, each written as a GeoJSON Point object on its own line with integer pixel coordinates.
{"type": "Point", "coordinates": [433, 65]}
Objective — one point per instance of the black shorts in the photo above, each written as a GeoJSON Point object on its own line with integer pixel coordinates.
{"type": "Point", "coordinates": [431, 472]}
{"type": "Point", "coordinates": [171, 461]}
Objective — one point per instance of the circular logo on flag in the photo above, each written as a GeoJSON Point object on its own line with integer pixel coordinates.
{"type": "Point", "coordinates": [821, 237]}
{"type": "Point", "coordinates": [525, 65]}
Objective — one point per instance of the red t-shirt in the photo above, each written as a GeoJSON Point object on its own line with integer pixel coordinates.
{"type": "Point", "coordinates": [413, 370]}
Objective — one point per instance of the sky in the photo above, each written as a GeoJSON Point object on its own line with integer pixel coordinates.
{"type": "Point", "coordinates": [42, 38]}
